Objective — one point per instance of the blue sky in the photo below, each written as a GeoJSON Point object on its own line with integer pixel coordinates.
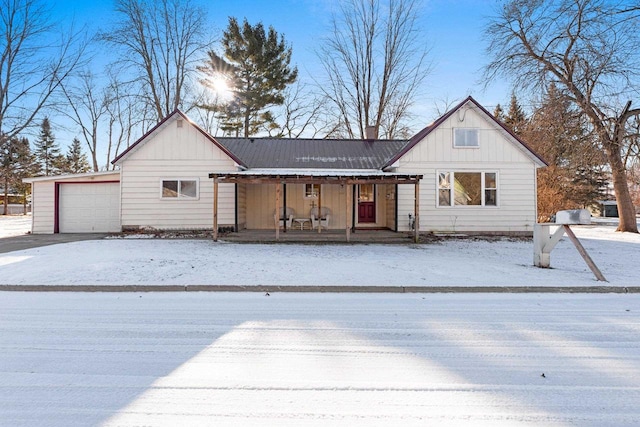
{"type": "Point", "coordinates": [453, 29]}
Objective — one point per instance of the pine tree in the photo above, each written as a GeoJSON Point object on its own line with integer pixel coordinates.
{"type": "Point", "coordinates": [575, 177]}
{"type": "Point", "coordinates": [47, 150]}
{"type": "Point", "coordinates": [256, 66]}
{"type": "Point", "coordinates": [498, 113]}
{"type": "Point", "coordinates": [16, 163]}
{"type": "Point", "coordinates": [515, 118]}
{"type": "Point", "coordinates": [75, 160]}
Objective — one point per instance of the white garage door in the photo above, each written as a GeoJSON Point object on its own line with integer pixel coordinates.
{"type": "Point", "coordinates": [89, 207]}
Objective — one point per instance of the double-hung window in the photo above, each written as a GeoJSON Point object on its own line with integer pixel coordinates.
{"type": "Point", "coordinates": [458, 188]}
{"type": "Point", "coordinates": [179, 189]}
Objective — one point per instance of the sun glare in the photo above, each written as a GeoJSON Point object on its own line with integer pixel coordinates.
{"type": "Point", "coordinates": [221, 88]}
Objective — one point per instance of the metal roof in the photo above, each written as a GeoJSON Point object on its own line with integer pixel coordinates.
{"type": "Point", "coordinates": [287, 153]}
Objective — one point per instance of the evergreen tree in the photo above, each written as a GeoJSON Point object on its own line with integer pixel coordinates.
{"type": "Point", "coordinates": [47, 150]}
{"type": "Point", "coordinates": [515, 118]}
{"type": "Point", "coordinates": [75, 160]}
{"type": "Point", "coordinates": [498, 113]}
{"type": "Point", "coordinates": [255, 65]}
{"type": "Point", "coordinates": [575, 177]}
{"type": "Point", "coordinates": [16, 163]}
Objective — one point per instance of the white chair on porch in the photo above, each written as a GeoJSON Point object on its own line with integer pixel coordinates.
{"type": "Point", "coordinates": [286, 215]}
{"type": "Point", "coordinates": [321, 220]}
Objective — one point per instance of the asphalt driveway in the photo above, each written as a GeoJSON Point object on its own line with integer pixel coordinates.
{"type": "Point", "coordinates": [29, 241]}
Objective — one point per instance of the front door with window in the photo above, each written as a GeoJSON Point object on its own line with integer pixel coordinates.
{"type": "Point", "coordinates": [366, 203]}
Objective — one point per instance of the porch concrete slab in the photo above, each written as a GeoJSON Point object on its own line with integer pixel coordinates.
{"type": "Point", "coordinates": [29, 241]}
{"type": "Point", "coordinates": [327, 236]}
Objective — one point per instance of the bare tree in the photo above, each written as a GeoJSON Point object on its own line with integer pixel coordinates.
{"type": "Point", "coordinates": [300, 114]}
{"type": "Point", "coordinates": [36, 57]}
{"type": "Point", "coordinates": [375, 61]}
{"type": "Point", "coordinates": [161, 42]}
{"type": "Point", "coordinates": [86, 107]}
{"type": "Point", "coordinates": [589, 49]}
{"type": "Point", "coordinates": [125, 118]}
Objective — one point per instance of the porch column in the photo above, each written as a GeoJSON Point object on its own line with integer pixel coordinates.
{"type": "Point", "coordinates": [215, 209]}
{"type": "Point", "coordinates": [319, 208]}
{"type": "Point", "coordinates": [416, 225]}
{"type": "Point", "coordinates": [276, 215]}
{"type": "Point", "coordinates": [346, 211]}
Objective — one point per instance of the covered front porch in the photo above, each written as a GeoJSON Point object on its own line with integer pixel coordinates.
{"type": "Point", "coordinates": [344, 202]}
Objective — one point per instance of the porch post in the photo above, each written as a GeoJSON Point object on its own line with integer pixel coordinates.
{"type": "Point", "coordinates": [416, 225]}
{"type": "Point", "coordinates": [346, 211]}
{"type": "Point", "coordinates": [284, 206]}
{"type": "Point", "coordinates": [353, 207]}
{"type": "Point", "coordinates": [319, 208]}
{"type": "Point", "coordinates": [215, 209]}
{"type": "Point", "coordinates": [276, 215]}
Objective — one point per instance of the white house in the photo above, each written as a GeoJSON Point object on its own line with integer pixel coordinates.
{"type": "Point", "coordinates": [465, 173]}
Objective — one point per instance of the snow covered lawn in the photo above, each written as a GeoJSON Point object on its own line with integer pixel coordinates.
{"type": "Point", "coordinates": [14, 225]}
{"type": "Point", "coordinates": [202, 262]}
{"type": "Point", "coordinates": [127, 359]}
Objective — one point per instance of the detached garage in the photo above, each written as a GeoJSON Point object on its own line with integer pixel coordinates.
{"type": "Point", "coordinates": [85, 203]}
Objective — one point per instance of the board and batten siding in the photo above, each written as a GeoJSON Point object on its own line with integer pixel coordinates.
{"type": "Point", "coordinates": [516, 175]}
{"type": "Point", "coordinates": [43, 198]}
{"type": "Point", "coordinates": [176, 151]}
{"type": "Point", "coordinates": [261, 203]}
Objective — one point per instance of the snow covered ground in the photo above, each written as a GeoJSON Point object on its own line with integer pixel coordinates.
{"type": "Point", "coordinates": [466, 262]}
{"type": "Point", "coordinates": [127, 359]}
{"type": "Point", "coordinates": [14, 225]}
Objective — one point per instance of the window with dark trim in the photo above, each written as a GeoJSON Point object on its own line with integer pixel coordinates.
{"type": "Point", "coordinates": [311, 191]}
{"type": "Point", "coordinates": [179, 189]}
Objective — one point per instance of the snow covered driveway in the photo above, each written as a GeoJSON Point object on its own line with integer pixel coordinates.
{"type": "Point", "coordinates": [129, 359]}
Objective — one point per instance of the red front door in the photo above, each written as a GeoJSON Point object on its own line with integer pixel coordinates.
{"type": "Point", "coordinates": [366, 203]}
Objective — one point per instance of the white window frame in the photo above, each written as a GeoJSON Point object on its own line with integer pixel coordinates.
{"type": "Point", "coordinates": [465, 132]}
{"type": "Point", "coordinates": [313, 194]}
{"type": "Point", "coordinates": [180, 197]}
{"type": "Point", "coordinates": [451, 189]}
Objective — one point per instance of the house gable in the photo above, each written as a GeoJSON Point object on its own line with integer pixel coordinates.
{"type": "Point", "coordinates": [177, 138]}
{"type": "Point", "coordinates": [496, 142]}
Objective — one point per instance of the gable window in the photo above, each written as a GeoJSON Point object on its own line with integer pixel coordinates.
{"type": "Point", "coordinates": [311, 191]}
{"type": "Point", "coordinates": [179, 189]}
{"type": "Point", "coordinates": [467, 188]}
{"type": "Point", "coordinates": [466, 138]}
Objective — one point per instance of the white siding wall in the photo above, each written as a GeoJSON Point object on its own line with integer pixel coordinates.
{"type": "Point", "coordinates": [43, 199]}
{"type": "Point", "coordinates": [43, 206]}
{"type": "Point", "coordinates": [175, 152]}
{"type": "Point", "coordinates": [516, 210]}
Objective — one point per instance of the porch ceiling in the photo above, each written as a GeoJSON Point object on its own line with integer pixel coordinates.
{"type": "Point", "coordinates": [316, 177]}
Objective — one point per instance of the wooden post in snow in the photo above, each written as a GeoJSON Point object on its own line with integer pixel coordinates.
{"type": "Point", "coordinates": [544, 242]}
{"type": "Point", "coordinates": [215, 209]}
{"type": "Point", "coordinates": [583, 252]}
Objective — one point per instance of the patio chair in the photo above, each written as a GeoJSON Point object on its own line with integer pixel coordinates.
{"type": "Point", "coordinates": [321, 220]}
{"type": "Point", "coordinates": [286, 215]}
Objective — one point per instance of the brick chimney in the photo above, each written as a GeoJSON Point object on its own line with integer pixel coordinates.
{"type": "Point", "coordinates": [370, 133]}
